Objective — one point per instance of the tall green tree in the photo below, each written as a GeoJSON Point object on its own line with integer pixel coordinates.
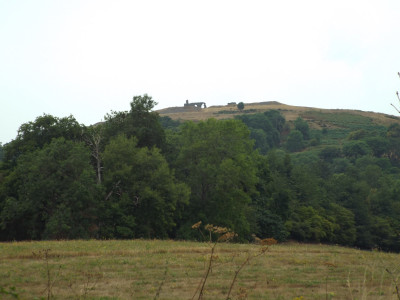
{"type": "Point", "coordinates": [268, 138]}
{"type": "Point", "coordinates": [307, 224]}
{"type": "Point", "coordinates": [56, 196]}
{"type": "Point", "coordinates": [356, 149]}
{"type": "Point", "coordinates": [276, 118]}
{"type": "Point", "coordinates": [140, 122]}
{"type": "Point", "coordinates": [217, 162]}
{"type": "Point", "coordinates": [1, 152]}
{"type": "Point", "coordinates": [270, 204]}
{"type": "Point", "coordinates": [295, 141]}
{"type": "Point", "coordinates": [329, 153]}
{"type": "Point", "coordinates": [143, 197]}
{"type": "Point", "coordinates": [34, 135]}
{"type": "Point", "coordinates": [302, 126]}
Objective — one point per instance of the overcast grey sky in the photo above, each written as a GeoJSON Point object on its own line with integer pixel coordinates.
{"type": "Point", "coordinates": [86, 58]}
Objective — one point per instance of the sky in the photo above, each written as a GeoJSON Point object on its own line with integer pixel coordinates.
{"type": "Point", "coordinates": [85, 58]}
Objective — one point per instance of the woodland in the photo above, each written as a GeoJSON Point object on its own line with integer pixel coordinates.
{"type": "Point", "coordinates": [139, 175]}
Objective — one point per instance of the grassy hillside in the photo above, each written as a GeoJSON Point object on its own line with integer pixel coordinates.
{"type": "Point", "coordinates": [139, 269]}
{"type": "Point", "coordinates": [331, 126]}
{"type": "Point", "coordinates": [318, 118]}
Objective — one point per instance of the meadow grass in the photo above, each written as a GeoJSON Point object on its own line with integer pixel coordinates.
{"type": "Point", "coordinates": [142, 269]}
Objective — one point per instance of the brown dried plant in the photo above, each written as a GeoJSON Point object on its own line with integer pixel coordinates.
{"type": "Point", "coordinates": [224, 234]}
{"type": "Point", "coordinates": [50, 279]}
{"type": "Point", "coordinates": [395, 280]}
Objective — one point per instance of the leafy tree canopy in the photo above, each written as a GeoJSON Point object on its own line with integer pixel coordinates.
{"type": "Point", "coordinates": [34, 135]}
{"type": "Point", "coordinates": [295, 141]}
{"type": "Point", "coordinates": [143, 199]}
{"type": "Point", "coordinates": [302, 126]}
{"type": "Point", "coordinates": [56, 195]}
{"type": "Point", "coordinates": [216, 161]}
{"type": "Point", "coordinates": [139, 122]}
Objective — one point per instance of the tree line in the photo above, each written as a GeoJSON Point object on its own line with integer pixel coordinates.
{"type": "Point", "coordinates": [139, 175]}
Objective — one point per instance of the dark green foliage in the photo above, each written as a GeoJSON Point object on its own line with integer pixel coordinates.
{"type": "Point", "coordinates": [276, 119]}
{"type": "Point", "coordinates": [345, 231]}
{"type": "Point", "coordinates": [394, 131]}
{"type": "Point", "coordinates": [270, 225]}
{"type": "Point", "coordinates": [1, 153]}
{"type": "Point", "coordinates": [265, 129]}
{"type": "Point", "coordinates": [306, 224]}
{"type": "Point", "coordinates": [139, 122]}
{"type": "Point", "coordinates": [260, 138]}
{"type": "Point", "coordinates": [307, 185]}
{"type": "Point", "coordinates": [384, 236]}
{"type": "Point", "coordinates": [34, 135]}
{"type": "Point", "coordinates": [141, 190]}
{"type": "Point", "coordinates": [356, 149]}
{"type": "Point", "coordinates": [378, 145]}
{"type": "Point", "coordinates": [240, 106]}
{"type": "Point", "coordinates": [216, 161]}
{"type": "Point", "coordinates": [56, 194]}
{"type": "Point", "coordinates": [329, 153]}
{"type": "Point", "coordinates": [295, 141]}
{"type": "Point", "coordinates": [270, 205]}
{"type": "Point", "coordinates": [167, 123]}
{"type": "Point", "coordinates": [302, 126]}
{"type": "Point", "coordinates": [255, 175]}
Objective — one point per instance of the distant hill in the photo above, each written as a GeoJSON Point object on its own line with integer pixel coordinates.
{"type": "Point", "coordinates": [316, 117]}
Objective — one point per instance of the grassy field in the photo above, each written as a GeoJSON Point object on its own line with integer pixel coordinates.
{"type": "Point", "coordinates": [150, 269]}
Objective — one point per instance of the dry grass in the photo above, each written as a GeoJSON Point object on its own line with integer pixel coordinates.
{"type": "Point", "coordinates": [290, 112]}
{"type": "Point", "coordinates": [137, 268]}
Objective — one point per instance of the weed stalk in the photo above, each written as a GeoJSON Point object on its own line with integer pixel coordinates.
{"type": "Point", "coordinates": [394, 279]}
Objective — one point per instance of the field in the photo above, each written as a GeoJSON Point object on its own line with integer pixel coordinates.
{"type": "Point", "coordinates": [153, 269]}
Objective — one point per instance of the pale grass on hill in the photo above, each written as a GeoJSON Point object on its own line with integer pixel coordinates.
{"type": "Point", "coordinates": [290, 113]}
{"type": "Point", "coordinates": [135, 269]}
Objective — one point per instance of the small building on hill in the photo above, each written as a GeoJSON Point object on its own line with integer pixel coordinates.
{"type": "Point", "coordinates": [195, 104]}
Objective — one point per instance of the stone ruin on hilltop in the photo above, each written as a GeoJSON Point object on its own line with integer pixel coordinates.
{"type": "Point", "coordinates": [195, 104]}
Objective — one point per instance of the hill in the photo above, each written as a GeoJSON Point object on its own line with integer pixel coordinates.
{"type": "Point", "coordinates": [317, 117]}
{"type": "Point", "coordinates": [153, 269]}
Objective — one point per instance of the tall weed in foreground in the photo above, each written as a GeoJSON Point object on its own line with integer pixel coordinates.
{"type": "Point", "coordinates": [394, 274]}
{"type": "Point", "coordinates": [162, 282]}
{"type": "Point", "coordinates": [223, 234]}
{"type": "Point", "coordinates": [395, 279]}
{"type": "Point", "coordinates": [50, 277]}
{"type": "Point", "coordinates": [89, 282]}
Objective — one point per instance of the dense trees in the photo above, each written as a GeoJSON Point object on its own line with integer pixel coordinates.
{"type": "Point", "coordinates": [295, 141]}
{"type": "Point", "coordinates": [302, 126]}
{"type": "Point", "coordinates": [52, 179]}
{"type": "Point", "coordinates": [137, 175]}
{"type": "Point", "coordinates": [142, 193]}
{"type": "Point", "coordinates": [216, 160]}
{"type": "Point", "coordinates": [34, 135]}
{"type": "Point", "coordinates": [265, 129]}
{"type": "Point", "coordinates": [55, 196]}
{"type": "Point", "coordinates": [140, 122]}
{"type": "Point", "coordinates": [1, 152]}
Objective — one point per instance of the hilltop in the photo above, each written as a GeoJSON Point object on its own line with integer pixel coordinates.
{"type": "Point", "coordinates": [316, 117]}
